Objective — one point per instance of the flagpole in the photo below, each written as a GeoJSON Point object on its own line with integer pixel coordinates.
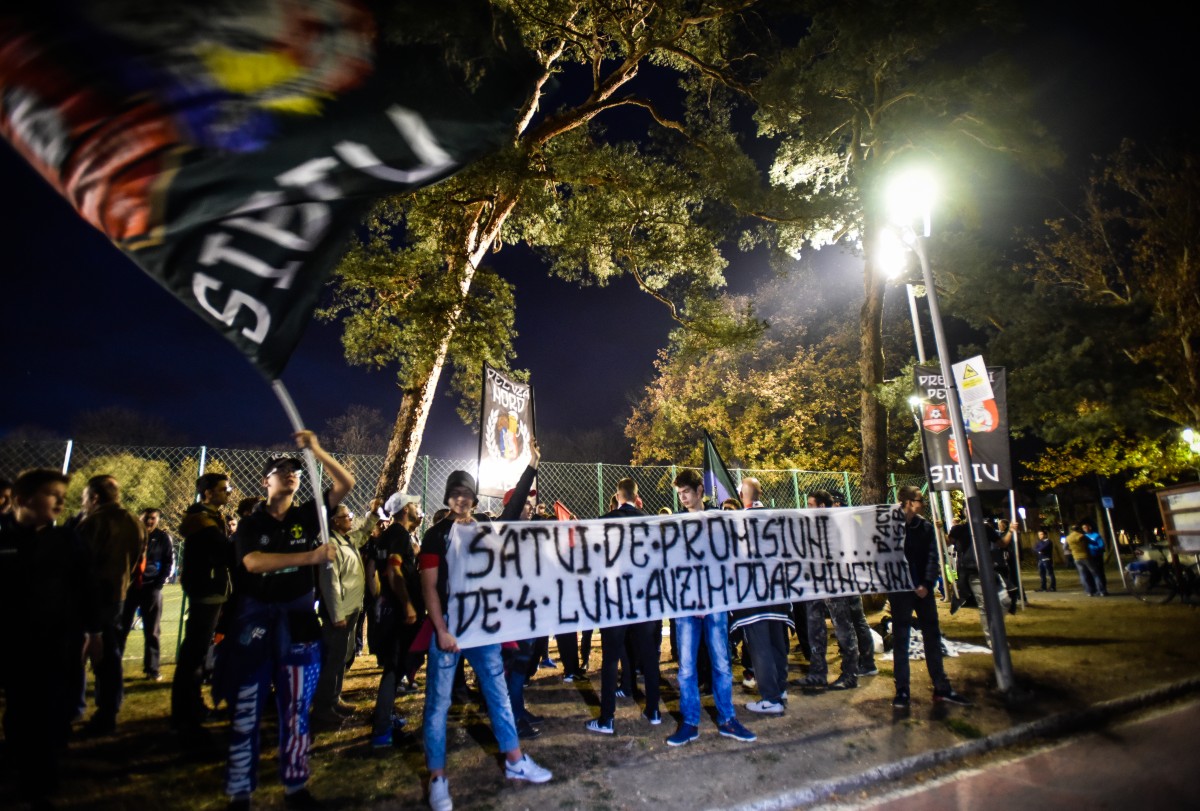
{"type": "Point", "coordinates": [310, 461]}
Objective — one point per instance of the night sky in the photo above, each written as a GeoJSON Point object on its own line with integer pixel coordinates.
{"type": "Point", "coordinates": [82, 328]}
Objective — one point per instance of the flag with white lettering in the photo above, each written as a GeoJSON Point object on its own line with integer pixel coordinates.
{"type": "Point", "coordinates": [229, 148]}
{"type": "Point", "coordinates": [525, 579]}
{"type": "Point", "coordinates": [505, 432]}
{"type": "Point", "coordinates": [986, 424]}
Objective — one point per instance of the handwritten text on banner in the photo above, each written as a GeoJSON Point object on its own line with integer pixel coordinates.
{"type": "Point", "coordinates": [524, 579]}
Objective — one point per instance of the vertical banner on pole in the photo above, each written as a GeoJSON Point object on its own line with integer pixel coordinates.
{"type": "Point", "coordinates": [505, 432]}
{"type": "Point", "coordinates": [987, 432]}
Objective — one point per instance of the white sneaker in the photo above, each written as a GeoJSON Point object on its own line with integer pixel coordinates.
{"type": "Point", "coordinates": [439, 794]}
{"type": "Point", "coordinates": [765, 707]}
{"type": "Point", "coordinates": [749, 682]}
{"type": "Point", "coordinates": [526, 769]}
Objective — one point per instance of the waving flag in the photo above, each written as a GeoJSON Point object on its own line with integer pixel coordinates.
{"type": "Point", "coordinates": [718, 484]}
{"type": "Point", "coordinates": [228, 148]}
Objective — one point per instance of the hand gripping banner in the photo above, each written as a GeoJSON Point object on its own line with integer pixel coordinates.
{"type": "Point", "coordinates": [228, 148]}
{"type": "Point", "coordinates": [533, 578]}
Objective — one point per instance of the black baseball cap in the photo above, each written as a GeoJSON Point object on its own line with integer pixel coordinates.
{"type": "Point", "coordinates": [282, 463]}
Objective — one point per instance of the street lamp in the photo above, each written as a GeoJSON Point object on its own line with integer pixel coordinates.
{"type": "Point", "coordinates": [893, 260]}
{"type": "Point", "coordinates": [1191, 438]}
{"type": "Point", "coordinates": [910, 198]}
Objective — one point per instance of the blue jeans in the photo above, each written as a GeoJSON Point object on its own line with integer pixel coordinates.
{"type": "Point", "coordinates": [489, 667]}
{"type": "Point", "coordinates": [715, 628]}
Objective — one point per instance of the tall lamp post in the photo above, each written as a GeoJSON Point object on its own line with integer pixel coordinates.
{"type": "Point", "coordinates": [910, 199]}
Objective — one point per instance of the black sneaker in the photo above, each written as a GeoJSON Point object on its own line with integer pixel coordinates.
{"type": "Point", "coordinates": [901, 701]}
{"type": "Point", "coordinates": [302, 799]}
{"type": "Point", "coordinates": [811, 682]}
{"type": "Point", "coordinates": [844, 682]}
{"type": "Point", "coordinates": [99, 727]}
{"type": "Point", "coordinates": [527, 731]}
{"type": "Point", "coordinates": [951, 697]}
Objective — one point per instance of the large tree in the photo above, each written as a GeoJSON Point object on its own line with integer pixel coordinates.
{"type": "Point", "coordinates": [637, 197]}
{"type": "Point", "coordinates": [1099, 323]}
{"type": "Point", "coordinates": [786, 398]}
{"type": "Point", "coordinates": [870, 86]}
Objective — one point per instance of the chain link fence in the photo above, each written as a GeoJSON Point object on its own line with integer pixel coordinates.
{"type": "Point", "coordinates": [165, 478]}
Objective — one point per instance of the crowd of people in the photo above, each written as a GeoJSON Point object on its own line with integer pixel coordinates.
{"type": "Point", "coordinates": [274, 611]}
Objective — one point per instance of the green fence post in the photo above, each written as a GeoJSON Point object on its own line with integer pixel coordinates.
{"type": "Point", "coordinates": [796, 490]}
{"type": "Point", "coordinates": [846, 490]}
{"type": "Point", "coordinates": [425, 490]}
{"type": "Point", "coordinates": [600, 489]}
{"type": "Point", "coordinates": [674, 492]}
{"type": "Point", "coordinates": [893, 478]}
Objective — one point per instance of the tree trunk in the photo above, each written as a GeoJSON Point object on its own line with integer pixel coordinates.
{"type": "Point", "coordinates": [415, 402]}
{"type": "Point", "coordinates": [870, 365]}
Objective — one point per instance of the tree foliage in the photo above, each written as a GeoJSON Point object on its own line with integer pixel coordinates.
{"type": "Point", "coordinates": [870, 86]}
{"type": "Point", "coordinates": [1099, 323]}
{"type": "Point", "coordinates": [359, 430]}
{"type": "Point", "coordinates": [620, 163]}
{"type": "Point", "coordinates": [784, 399]}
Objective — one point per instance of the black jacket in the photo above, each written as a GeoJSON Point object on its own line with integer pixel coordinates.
{"type": "Point", "coordinates": [920, 550]}
{"type": "Point", "coordinates": [160, 559]}
{"type": "Point", "coordinates": [207, 554]}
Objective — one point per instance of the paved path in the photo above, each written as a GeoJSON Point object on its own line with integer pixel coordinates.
{"type": "Point", "coordinates": [1149, 764]}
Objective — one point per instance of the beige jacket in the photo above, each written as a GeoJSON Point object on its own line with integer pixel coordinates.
{"type": "Point", "coordinates": [344, 583]}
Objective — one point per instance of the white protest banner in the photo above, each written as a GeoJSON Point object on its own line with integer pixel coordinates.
{"type": "Point", "coordinates": [524, 579]}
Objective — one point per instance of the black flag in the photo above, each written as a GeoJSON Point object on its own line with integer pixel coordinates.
{"type": "Point", "coordinates": [229, 148]}
{"type": "Point", "coordinates": [986, 424]}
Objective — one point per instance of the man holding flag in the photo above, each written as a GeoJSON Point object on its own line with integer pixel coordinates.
{"type": "Point", "coordinates": [276, 638]}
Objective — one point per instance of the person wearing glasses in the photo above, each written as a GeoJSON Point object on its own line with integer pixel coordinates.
{"type": "Point", "coordinates": [342, 588]}
{"type": "Point", "coordinates": [205, 578]}
{"type": "Point", "coordinates": [275, 634]}
{"type": "Point", "coordinates": [920, 552]}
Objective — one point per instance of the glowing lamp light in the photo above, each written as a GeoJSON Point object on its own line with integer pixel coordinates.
{"type": "Point", "coordinates": [892, 254]}
{"type": "Point", "coordinates": [910, 196]}
{"type": "Point", "coordinates": [1192, 439]}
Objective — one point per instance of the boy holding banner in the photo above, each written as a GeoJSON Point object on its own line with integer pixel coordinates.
{"type": "Point", "coordinates": [459, 527]}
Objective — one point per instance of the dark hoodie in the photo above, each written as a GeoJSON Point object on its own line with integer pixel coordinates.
{"type": "Point", "coordinates": [207, 554]}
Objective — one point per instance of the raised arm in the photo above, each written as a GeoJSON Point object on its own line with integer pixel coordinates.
{"type": "Point", "coordinates": [512, 510]}
{"type": "Point", "coordinates": [343, 481]}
